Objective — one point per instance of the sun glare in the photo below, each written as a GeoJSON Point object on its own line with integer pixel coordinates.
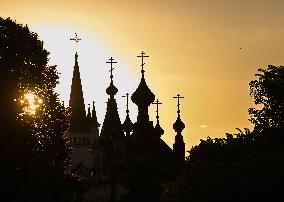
{"type": "Point", "coordinates": [31, 103]}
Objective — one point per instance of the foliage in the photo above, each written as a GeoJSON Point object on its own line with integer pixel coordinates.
{"type": "Point", "coordinates": [236, 168]}
{"type": "Point", "coordinates": [34, 123]}
{"type": "Point", "coordinates": [267, 91]}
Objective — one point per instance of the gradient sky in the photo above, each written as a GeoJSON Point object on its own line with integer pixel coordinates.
{"type": "Point", "coordinates": [206, 50]}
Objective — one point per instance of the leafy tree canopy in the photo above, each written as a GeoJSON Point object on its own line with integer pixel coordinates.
{"type": "Point", "coordinates": [267, 92]}
{"type": "Point", "coordinates": [34, 124]}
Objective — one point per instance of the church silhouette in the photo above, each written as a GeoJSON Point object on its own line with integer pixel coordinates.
{"type": "Point", "coordinates": [104, 157]}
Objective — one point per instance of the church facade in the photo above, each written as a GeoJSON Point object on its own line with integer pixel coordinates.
{"type": "Point", "coordinates": [107, 156]}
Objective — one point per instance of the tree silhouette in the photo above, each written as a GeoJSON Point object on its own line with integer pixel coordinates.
{"type": "Point", "coordinates": [35, 149]}
{"type": "Point", "coordinates": [246, 166]}
{"type": "Point", "coordinates": [267, 92]}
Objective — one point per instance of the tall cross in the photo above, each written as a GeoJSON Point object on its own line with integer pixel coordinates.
{"type": "Point", "coordinates": [76, 39]}
{"type": "Point", "coordinates": [157, 111]}
{"type": "Point", "coordinates": [127, 95]}
{"type": "Point", "coordinates": [178, 97]}
{"type": "Point", "coordinates": [142, 56]}
{"type": "Point", "coordinates": [111, 68]}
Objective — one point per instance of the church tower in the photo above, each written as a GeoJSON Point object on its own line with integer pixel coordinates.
{"type": "Point", "coordinates": [143, 97]}
{"type": "Point", "coordinates": [112, 127]}
{"type": "Point", "coordinates": [84, 128]}
{"type": "Point", "coordinates": [179, 145]}
{"type": "Point", "coordinates": [112, 143]}
{"type": "Point", "coordinates": [127, 124]}
{"type": "Point", "coordinates": [145, 138]}
{"type": "Point", "coordinates": [76, 102]}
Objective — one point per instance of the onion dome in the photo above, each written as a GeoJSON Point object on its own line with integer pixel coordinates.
{"type": "Point", "coordinates": [143, 96]}
{"type": "Point", "coordinates": [159, 130]}
{"type": "Point", "coordinates": [111, 90]}
{"type": "Point", "coordinates": [178, 126]}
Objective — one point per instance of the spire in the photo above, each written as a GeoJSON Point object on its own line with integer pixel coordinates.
{"type": "Point", "coordinates": [94, 115]}
{"type": "Point", "coordinates": [143, 96]}
{"type": "Point", "coordinates": [89, 112]}
{"type": "Point", "coordinates": [89, 116]}
{"type": "Point", "coordinates": [179, 145]}
{"type": "Point", "coordinates": [112, 126]}
{"type": "Point", "coordinates": [158, 128]}
{"type": "Point", "coordinates": [127, 125]}
{"type": "Point", "coordinates": [76, 102]}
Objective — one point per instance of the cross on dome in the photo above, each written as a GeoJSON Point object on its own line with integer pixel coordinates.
{"type": "Point", "coordinates": [127, 97]}
{"type": "Point", "coordinates": [178, 97]}
{"type": "Point", "coordinates": [111, 68]}
{"type": "Point", "coordinates": [142, 65]}
{"type": "Point", "coordinates": [157, 111]}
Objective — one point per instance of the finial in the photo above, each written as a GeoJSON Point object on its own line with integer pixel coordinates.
{"type": "Point", "coordinates": [127, 96]}
{"type": "Point", "coordinates": [142, 65]}
{"type": "Point", "coordinates": [111, 68]}
{"type": "Point", "coordinates": [89, 110]}
{"type": "Point", "coordinates": [178, 97]}
{"type": "Point", "coordinates": [157, 111]}
{"type": "Point", "coordinates": [94, 115]}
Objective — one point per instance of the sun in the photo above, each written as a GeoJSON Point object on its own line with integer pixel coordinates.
{"type": "Point", "coordinates": [30, 103]}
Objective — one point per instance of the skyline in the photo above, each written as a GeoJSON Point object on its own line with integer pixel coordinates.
{"type": "Point", "coordinates": [208, 52]}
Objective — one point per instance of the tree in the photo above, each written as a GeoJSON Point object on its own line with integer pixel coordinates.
{"type": "Point", "coordinates": [240, 167]}
{"type": "Point", "coordinates": [267, 92]}
{"type": "Point", "coordinates": [35, 148]}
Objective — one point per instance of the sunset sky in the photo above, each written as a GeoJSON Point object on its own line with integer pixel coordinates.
{"type": "Point", "coordinates": [206, 50]}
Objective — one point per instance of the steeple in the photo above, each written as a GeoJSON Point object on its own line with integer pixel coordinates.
{"type": "Point", "coordinates": [89, 112]}
{"type": "Point", "coordinates": [76, 102]}
{"type": "Point", "coordinates": [127, 125]}
{"type": "Point", "coordinates": [89, 116]}
{"type": "Point", "coordinates": [143, 96]}
{"type": "Point", "coordinates": [179, 145]}
{"type": "Point", "coordinates": [112, 126]}
{"type": "Point", "coordinates": [159, 130]}
{"type": "Point", "coordinates": [94, 116]}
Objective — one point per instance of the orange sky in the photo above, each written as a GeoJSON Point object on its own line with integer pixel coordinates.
{"type": "Point", "coordinates": [194, 49]}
